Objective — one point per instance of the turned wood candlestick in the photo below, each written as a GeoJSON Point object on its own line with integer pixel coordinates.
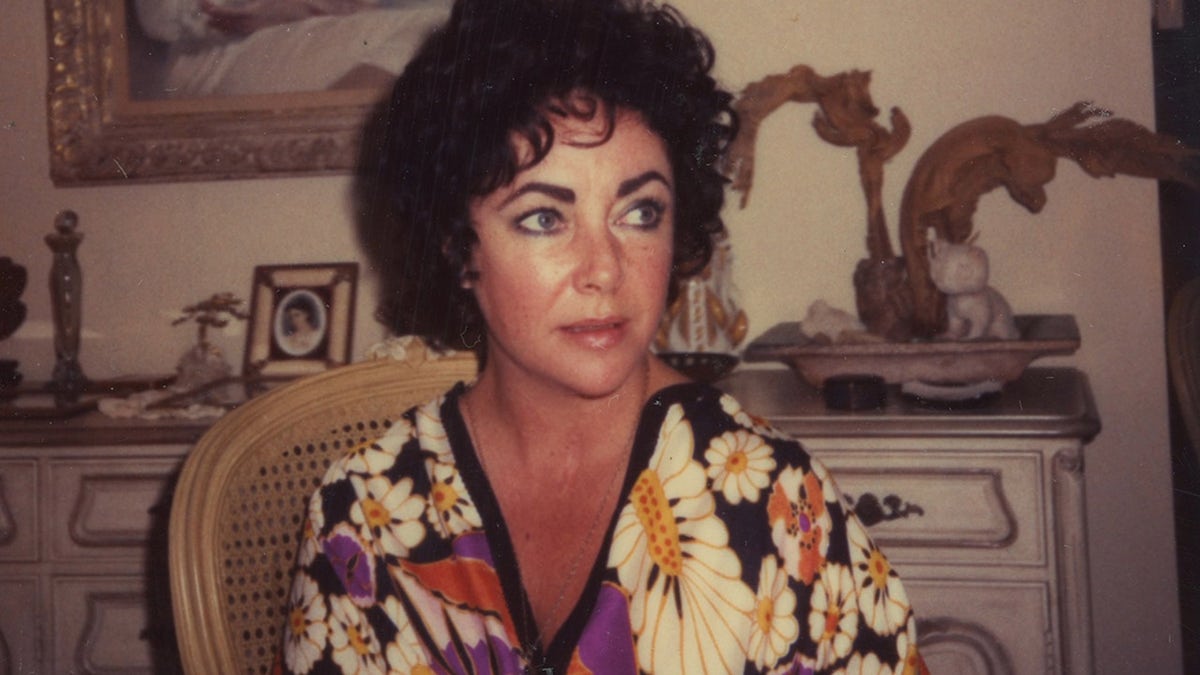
{"type": "Point", "coordinates": [66, 287]}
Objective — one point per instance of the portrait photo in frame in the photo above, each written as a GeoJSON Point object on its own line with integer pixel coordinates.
{"type": "Point", "coordinates": [151, 91]}
{"type": "Point", "coordinates": [301, 319]}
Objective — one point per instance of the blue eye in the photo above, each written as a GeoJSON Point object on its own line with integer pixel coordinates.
{"type": "Point", "coordinates": [646, 215]}
{"type": "Point", "coordinates": [542, 221]}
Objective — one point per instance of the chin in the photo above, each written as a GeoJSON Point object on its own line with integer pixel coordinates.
{"type": "Point", "coordinates": [604, 380]}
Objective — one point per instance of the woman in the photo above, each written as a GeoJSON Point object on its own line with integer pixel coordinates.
{"type": "Point", "coordinates": [301, 332]}
{"type": "Point", "coordinates": [551, 165]}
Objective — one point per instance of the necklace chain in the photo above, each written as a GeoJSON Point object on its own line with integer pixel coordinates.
{"type": "Point", "coordinates": [573, 569]}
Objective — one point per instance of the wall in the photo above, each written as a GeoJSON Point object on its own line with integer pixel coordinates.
{"type": "Point", "coordinates": [1092, 252]}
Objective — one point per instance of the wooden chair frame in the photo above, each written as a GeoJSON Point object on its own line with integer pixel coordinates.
{"type": "Point", "coordinates": [239, 505]}
{"type": "Point", "coordinates": [1183, 356]}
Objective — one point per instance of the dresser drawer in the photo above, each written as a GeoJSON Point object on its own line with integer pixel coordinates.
{"type": "Point", "coordinates": [994, 628]}
{"type": "Point", "coordinates": [945, 507]}
{"type": "Point", "coordinates": [18, 511]}
{"type": "Point", "coordinates": [100, 624]}
{"type": "Point", "coordinates": [19, 624]}
{"type": "Point", "coordinates": [102, 509]}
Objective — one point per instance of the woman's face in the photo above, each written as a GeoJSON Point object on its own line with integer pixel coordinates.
{"type": "Point", "coordinates": [299, 318]}
{"type": "Point", "coordinates": [574, 258]}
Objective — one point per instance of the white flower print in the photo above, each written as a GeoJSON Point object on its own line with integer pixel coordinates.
{"type": "Point", "coordinates": [798, 665]}
{"type": "Point", "coordinates": [404, 653]}
{"type": "Point", "coordinates": [431, 431]}
{"type": "Point", "coordinates": [307, 631]}
{"type": "Point", "coordinates": [881, 599]}
{"type": "Point", "coordinates": [367, 458]}
{"type": "Point", "coordinates": [775, 626]}
{"type": "Point", "coordinates": [758, 425]}
{"type": "Point", "coordinates": [389, 513]}
{"type": "Point", "coordinates": [739, 464]}
{"type": "Point", "coordinates": [865, 664]}
{"type": "Point", "coordinates": [355, 647]}
{"type": "Point", "coordinates": [371, 457]}
{"type": "Point", "coordinates": [906, 645]}
{"type": "Point", "coordinates": [308, 544]}
{"type": "Point", "coordinates": [400, 432]}
{"type": "Point", "coordinates": [833, 614]}
{"type": "Point", "coordinates": [485, 631]}
{"type": "Point", "coordinates": [689, 608]}
{"type": "Point", "coordinates": [450, 508]}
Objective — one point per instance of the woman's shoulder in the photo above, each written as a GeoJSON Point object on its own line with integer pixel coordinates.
{"type": "Point", "coordinates": [714, 414]}
{"type": "Point", "coordinates": [409, 438]}
{"type": "Point", "coordinates": [705, 403]}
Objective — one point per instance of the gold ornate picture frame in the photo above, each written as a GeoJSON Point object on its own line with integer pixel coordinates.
{"type": "Point", "coordinates": [301, 319]}
{"type": "Point", "coordinates": [101, 133]}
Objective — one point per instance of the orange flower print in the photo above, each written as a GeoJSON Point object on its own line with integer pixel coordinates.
{"type": "Point", "coordinates": [799, 523]}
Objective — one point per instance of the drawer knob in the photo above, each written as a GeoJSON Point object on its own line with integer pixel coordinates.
{"type": "Point", "coordinates": [872, 510]}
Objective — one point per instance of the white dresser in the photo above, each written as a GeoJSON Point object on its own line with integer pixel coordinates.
{"type": "Point", "coordinates": [980, 510]}
{"type": "Point", "coordinates": [83, 585]}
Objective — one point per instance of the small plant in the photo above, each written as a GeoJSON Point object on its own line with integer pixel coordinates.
{"type": "Point", "coordinates": [215, 312]}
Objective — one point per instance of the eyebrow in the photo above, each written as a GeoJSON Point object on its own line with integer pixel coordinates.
{"type": "Point", "coordinates": [562, 194]}
{"type": "Point", "coordinates": [630, 186]}
{"type": "Point", "coordinates": [557, 192]}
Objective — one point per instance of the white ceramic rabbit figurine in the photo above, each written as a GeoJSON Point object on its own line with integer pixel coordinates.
{"type": "Point", "coordinates": [974, 310]}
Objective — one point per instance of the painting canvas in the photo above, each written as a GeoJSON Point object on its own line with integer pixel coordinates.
{"type": "Point", "coordinates": [152, 90]}
{"type": "Point", "coordinates": [189, 49]}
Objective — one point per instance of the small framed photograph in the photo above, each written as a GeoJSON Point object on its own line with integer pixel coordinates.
{"type": "Point", "coordinates": [301, 319]}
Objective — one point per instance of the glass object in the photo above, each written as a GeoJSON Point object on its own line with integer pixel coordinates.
{"type": "Point", "coordinates": [703, 327]}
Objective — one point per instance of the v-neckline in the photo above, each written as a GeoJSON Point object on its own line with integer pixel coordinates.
{"type": "Point", "coordinates": [557, 652]}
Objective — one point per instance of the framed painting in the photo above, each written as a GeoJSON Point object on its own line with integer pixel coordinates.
{"type": "Point", "coordinates": [151, 90]}
{"type": "Point", "coordinates": [301, 319]}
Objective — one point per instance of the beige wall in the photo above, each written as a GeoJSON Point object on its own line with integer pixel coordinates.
{"type": "Point", "coordinates": [1092, 252]}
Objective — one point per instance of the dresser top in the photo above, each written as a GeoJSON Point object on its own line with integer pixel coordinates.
{"type": "Point", "coordinates": [1044, 402]}
{"type": "Point", "coordinates": [95, 429]}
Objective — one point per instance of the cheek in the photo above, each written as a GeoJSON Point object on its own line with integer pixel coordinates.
{"type": "Point", "coordinates": [654, 268]}
{"type": "Point", "coordinates": [514, 291]}
{"type": "Point", "coordinates": [661, 255]}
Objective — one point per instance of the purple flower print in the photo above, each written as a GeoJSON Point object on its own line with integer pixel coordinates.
{"type": "Point", "coordinates": [606, 645]}
{"type": "Point", "coordinates": [353, 566]}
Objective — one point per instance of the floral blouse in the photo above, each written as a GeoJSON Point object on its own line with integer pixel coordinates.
{"type": "Point", "coordinates": [730, 552]}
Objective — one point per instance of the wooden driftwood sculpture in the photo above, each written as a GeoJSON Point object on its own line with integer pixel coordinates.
{"type": "Point", "coordinates": [895, 296]}
{"type": "Point", "coordinates": [846, 118]}
{"type": "Point", "coordinates": [983, 154]}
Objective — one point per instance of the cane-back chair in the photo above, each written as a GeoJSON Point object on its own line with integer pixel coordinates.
{"type": "Point", "coordinates": [1183, 356]}
{"type": "Point", "coordinates": [241, 499]}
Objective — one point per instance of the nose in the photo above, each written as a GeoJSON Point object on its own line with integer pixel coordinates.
{"type": "Point", "coordinates": [600, 266]}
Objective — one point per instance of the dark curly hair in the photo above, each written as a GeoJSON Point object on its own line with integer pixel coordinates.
{"type": "Point", "coordinates": [500, 67]}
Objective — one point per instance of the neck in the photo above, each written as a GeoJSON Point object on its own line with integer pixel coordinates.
{"type": "Point", "coordinates": [532, 424]}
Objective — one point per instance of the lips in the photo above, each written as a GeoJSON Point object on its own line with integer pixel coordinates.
{"type": "Point", "coordinates": [602, 333]}
{"type": "Point", "coordinates": [594, 324]}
